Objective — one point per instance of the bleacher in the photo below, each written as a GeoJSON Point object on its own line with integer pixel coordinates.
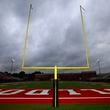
{"type": "Point", "coordinates": [7, 77]}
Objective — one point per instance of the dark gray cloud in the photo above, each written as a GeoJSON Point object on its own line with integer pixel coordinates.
{"type": "Point", "coordinates": [55, 35]}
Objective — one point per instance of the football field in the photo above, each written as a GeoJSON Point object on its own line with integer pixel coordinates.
{"type": "Point", "coordinates": [68, 88]}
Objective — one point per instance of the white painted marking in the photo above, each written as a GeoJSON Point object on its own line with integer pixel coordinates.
{"type": "Point", "coordinates": [11, 91]}
{"type": "Point", "coordinates": [37, 92]}
{"type": "Point", "coordinates": [72, 98]}
{"type": "Point", "coordinates": [95, 90]}
{"type": "Point", "coordinates": [72, 92]}
{"type": "Point", "coordinates": [61, 98]}
{"type": "Point", "coordinates": [107, 89]}
{"type": "Point", "coordinates": [21, 98]}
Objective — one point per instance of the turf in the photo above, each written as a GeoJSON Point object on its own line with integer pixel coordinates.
{"type": "Point", "coordinates": [62, 84]}
{"type": "Point", "coordinates": [48, 84]}
{"type": "Point", "coordinates": [91, 106]}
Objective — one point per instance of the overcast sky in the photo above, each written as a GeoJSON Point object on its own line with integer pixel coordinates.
{"type": "Point", "coordinates": [55, 34]}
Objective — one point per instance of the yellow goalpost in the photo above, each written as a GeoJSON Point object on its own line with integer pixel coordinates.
{"type": "Point", "coordinates": [87, 66]}
{"type": "Point", "coordinates": [55, 68]}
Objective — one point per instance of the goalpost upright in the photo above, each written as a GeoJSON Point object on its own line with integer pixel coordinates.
{"type": "Point", "coordinates": [55, 68]}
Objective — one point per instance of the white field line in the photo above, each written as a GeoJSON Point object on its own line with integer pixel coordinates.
{"type": "Point", "coordinates": [61, 98]}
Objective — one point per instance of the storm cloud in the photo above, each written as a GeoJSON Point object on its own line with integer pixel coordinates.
{"type": "Point", "coordinates": [55, 33]}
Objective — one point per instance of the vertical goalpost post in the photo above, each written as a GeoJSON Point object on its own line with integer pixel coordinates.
{"type": "Point", "coordinates": [55, 68]}
{"type": "Point", "coordinates": [26, 36]}
{"type": "Point", "coordinates": [55, 87]}
{"type": "Point", "coordinates": [55, 81]}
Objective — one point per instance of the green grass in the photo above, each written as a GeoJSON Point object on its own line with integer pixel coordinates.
{"type": "Point", "coordinates": [48, 84]}
{"type": "Point", "coordinates": [79, 84]}
{"type": "Point", "coordinates": [62, 84]}
{"type": "Point", "coordinates": [91, 106]}
{"type": "Point", "coordinates": [31, 84]}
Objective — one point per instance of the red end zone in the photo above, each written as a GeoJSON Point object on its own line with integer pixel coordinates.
{"type": "Point", "coordinates": [45, 95]}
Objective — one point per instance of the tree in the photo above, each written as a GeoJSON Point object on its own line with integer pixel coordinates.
{"type": "Point", "coordinates": [22, 74]}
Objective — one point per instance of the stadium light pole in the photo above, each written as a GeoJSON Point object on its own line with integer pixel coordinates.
{"type": "Point", "coordinates": [12, 64]}
{"type": "Point", "coordinates": [99, 67]}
